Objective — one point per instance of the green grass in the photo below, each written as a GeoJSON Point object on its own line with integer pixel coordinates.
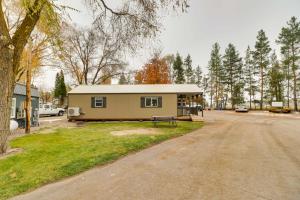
{"type": "Point", "coordinates": [50, 157]}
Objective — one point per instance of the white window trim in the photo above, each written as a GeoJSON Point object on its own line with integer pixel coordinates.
{"type": "Point", "coordinates": [13, 108]}
{"type": "Point", "coordinates": [99, 99]}
{"type": "Point", "coordinates": [151, 98]}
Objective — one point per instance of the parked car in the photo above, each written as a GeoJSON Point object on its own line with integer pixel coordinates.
{"type": "Point", "coordinates": [280, 110]}
{"type": "Point", "coordinates": [52, 110]}
{"type": "Point", "coordinates": [241, 108]}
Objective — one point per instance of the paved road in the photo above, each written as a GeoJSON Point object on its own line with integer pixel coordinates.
{"type": "Point", "coordinates": [235, 156]}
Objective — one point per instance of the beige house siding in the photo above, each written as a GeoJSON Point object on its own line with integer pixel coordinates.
{"type": "Point", "coordinates": [122, 106]}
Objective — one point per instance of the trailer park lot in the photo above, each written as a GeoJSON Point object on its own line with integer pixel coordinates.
{"type": "Point", "coordinates": [253, 155]}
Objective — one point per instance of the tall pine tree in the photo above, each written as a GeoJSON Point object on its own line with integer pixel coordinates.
{"type": "Point", "coordinates": [215, 74]}
{"type": "Point", "coordinates": [198, 76]}
{"type": "Point", "coordinates": [289, 38]}
{"type": "Point", "coordinates": [232, 75]}
{"type": "Point", "coordinates": [261, 60]}
{"type": "Point", "coordinates": [189, 72]}
{"type": "Point", "coordinates": [250, 73]}
{"type": "Point", "coordinates": [275, 79]}
{"type": "Point", "coordinates": [178, 70]}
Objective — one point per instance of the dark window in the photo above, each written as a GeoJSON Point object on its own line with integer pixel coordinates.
{"type": "Point", "coordinates": [98, 102]}
{"type": "Point", "coordinates": [152, 102]}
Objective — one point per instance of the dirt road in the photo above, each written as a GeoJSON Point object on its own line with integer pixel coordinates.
{"type": "Point", "coordinates": [235, 156]}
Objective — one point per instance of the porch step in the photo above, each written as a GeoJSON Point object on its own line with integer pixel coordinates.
{"type": "Point", "coordinates": [196, 118]}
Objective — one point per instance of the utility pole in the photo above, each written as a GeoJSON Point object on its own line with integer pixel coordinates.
{"type": "Point", "coordinates": [28, 88]}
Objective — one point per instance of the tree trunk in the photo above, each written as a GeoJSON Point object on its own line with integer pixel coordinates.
{"type": "Point", "coordinates": [226, 99]}
{"type": "Point", "coordinates": [6, 92]}
{"type": "Point", "coordinates": [28, 101]}
{"type": "Point", "coordinates": [211, 95]}
{"type": "Point", "coordinates": [261, 88]}
{"type": "Point", "coordinates": [28, 88]}
{"type": "Point", "coordinates": [231, 96]}
{"type": "Point", "coordinates": [250, 100]}
{"type": "Point", "coordinates": [295, 79]}
{"type": "Point", "coordinates": [288, 88]}
{"type": "Point", "coordinates": [295, 91]}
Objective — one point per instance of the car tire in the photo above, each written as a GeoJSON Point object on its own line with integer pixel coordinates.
{"type": "Point", "coordinates": [60, 113]}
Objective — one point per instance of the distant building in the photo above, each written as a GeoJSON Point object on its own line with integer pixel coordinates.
{"type": "Point", "coordinates": [18, 105]}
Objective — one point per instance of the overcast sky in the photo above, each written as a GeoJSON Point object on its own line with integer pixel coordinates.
{"type": "Point", "coordinates": [207, 22]}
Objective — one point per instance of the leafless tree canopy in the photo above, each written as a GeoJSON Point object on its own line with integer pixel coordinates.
{"type": "Point", "coordinates": [89, 55]}
{"type": "Point", "coordinates": [139, 19]}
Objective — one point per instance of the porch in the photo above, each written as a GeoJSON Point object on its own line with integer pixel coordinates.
{"type": "Point", "coordinates": [189, 104]}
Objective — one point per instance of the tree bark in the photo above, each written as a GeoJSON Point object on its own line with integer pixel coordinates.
{"type": "Point", "coordinates": [28, 101]}
{"type": "Point", "coordinates": [295, 78]}
{"type": "Point", "coordinates": [261, 88]}
{"type": "Point", "coordinates": [6, 92]}
{"type": "Point", "coordinates": [288, 88]}
{"type": "Point", "coordinates": [28, 88]}
{"type": "Point", "coordinates": [295, 91]}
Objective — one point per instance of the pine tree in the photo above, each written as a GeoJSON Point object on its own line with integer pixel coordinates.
{"type": "Point", "coordinates": [198, 76]}
{"type": "Point", "coordinates": [178, 70]}
{"type": "Point", "coordinates": [57, 86]}
{"type": "Point", "coordinates": [215, 74]}
{"type": "Point", "coordinates": [232, 75]}
{"type": "Point", "coordinates": [63, 88]}
{"type": "Point", "coordinates": [123, 80]}
{"type": "Point", "coordinates": [275, 79]}
{"type": "Point", "coordinates": [60, 90]}
{"type": "Point", "coordinates": [189, 73]}
{"type": "Point", "coordinates": [289, 38]}
{"type": "Point", "coordinates": [250, 73]}
{"type": "Point", "coordinates": [261, 60]}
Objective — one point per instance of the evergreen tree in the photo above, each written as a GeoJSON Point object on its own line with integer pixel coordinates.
{"type": "Point", "coordinates": [198, 76]}
{"type": "Point", "coordinates": [123, 80]}
{"type": "Point", "coordinates": [232, 75]}
{"type": "Point", "coordinates": [189, 73]}
{"type": "Point", "coordinates": [289, 38]}
{"type": "Point", "coordinates": [63, 88]}
{"type": "Point", "coordinates": [250, 73]}
{"type": "Point", "coordinates": [178, 70]}
{"type": "Point", "coordinates": [57, 85]}
{"type": "Point", "coordinates": [261, 60]}
{"type": "Point", "coordinates": [129, 78]}
{"type": "Point", "coordinates": [60, 90]}
{"type": "Point", "coordinates": [276, 78]}
{"type": "Point", "coordinates": [215, 74]}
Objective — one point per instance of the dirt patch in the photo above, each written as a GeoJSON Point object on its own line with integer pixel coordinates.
{"type": "Point", "coordinates": [141, 131]}
{"type": "Point", "coordinates": [10, 152]}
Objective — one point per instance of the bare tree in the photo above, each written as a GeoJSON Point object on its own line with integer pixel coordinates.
{"type": "Point", "coordinates": [90, 57]}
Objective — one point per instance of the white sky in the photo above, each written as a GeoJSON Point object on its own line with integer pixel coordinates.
{"type": "Point", "coordinates": [207, 21]}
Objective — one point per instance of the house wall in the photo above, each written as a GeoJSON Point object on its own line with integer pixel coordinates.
{"type": "Point", "coordinates": [20, 102]}
{"type": "Point", "coordinates": [122, 106]}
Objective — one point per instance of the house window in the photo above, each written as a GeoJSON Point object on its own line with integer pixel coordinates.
{"type": "Point", "coordinates": [13, 108]}
{"type": "Point", "coordinates": [98, 102]}
{"type": "Point", "coordinates": [151, 102]}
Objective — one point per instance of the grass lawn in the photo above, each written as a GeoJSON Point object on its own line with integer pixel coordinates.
{"type": "Point", "coordinates": [65, 152]}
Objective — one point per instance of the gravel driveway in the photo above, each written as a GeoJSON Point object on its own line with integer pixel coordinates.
{"type": "Point", "coordinates": [235, 156]}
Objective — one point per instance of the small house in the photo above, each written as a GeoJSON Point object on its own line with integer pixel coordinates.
{"type": "Point", "coordinates": [132, 102]}
{"type": "Point", "coordinates": [18, 105]}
